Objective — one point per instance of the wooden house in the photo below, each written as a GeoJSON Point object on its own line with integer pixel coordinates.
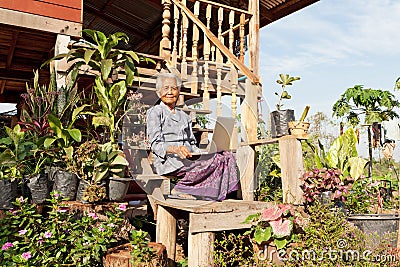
{"type": "Point", "coordinates": [214, 46]}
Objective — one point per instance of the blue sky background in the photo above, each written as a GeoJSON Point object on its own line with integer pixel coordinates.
{"type": "Point", "coordinates": [332, 45]}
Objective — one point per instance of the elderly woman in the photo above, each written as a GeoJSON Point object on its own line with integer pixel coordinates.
{"type": "Point", "coordinates": [172, 143]}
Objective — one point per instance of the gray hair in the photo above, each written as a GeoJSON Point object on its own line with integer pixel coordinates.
{"type": "Point", "coordinates": [167, 75]}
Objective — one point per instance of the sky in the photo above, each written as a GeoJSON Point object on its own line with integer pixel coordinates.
{"type": "Point", "coordinates": [332, 45]}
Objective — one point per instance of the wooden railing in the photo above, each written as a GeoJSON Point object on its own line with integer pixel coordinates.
{"type": "Point", "coordinates": [211, 29]}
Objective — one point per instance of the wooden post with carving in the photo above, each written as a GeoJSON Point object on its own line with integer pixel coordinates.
{"type": "Point", "coordinates": [165, 44]}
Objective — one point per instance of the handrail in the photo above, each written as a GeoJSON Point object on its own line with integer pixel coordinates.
{"type": "Point", "coordinates": [225, 51]}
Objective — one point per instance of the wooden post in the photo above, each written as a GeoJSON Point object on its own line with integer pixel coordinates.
{"type": "Point", "coordinates": [292, 169]}
{"type": "Point", "coordinates": [166, 232]}
{"type": "Point", "coordinates": [254, 37]}
{"type": "Point", "coordinates": [246, 155]}
{"type": "Point", "coordinates": [201, 249]}
{"type": "Point", "coordinates": [165, 45]}
{"type": "Point", "coordinates": [60, 66]}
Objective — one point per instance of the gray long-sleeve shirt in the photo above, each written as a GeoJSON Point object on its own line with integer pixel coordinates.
{"type": "Point", "coordinates": [164, 129]}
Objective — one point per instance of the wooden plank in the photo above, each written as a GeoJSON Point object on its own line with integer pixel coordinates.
{"type": "Point", "coordinates": [268, 141]}
{"type": "Point", "coordinates": [63, 12]}
{"type": "Point", "coordinates": [166, 232]}
{"type": "Point", "coordinates": [201, 249]}
{"type": "Point", "coordinates": [292, 168]}
{"type": "Point", "coordinates": [211, 222]}
{"type": "Point", "coordinates": [41, 23]}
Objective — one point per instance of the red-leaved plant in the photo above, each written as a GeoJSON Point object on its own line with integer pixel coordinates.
{"type": "Point", "coordinates": [321, 180]}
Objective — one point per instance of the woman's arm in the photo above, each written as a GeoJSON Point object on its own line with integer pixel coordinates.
{"type": "Point", "coordinates": [157, 144]}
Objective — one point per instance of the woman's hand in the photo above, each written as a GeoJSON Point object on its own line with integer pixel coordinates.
{"type": "Point", "coordinates": [182, 151]}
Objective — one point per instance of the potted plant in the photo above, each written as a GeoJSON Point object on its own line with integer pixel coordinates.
{"type": "Point", "coordinates": [325, 185]}
{"type": "Point", "coordinates": [63, 138]}
{"type": "Point", "coordinates": [276, 226]}
{"type": "Point", "coordinates": [14, 151]}
{"type": "Point", "coordinates": [280, 117]}
{"type": "Point", "coordinates": [111, 164]}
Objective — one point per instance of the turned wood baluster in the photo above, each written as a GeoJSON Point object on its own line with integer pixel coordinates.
{"type": "Point", "coordinates": [206, 49]}
{"type": "Point", "coordinates": [234, 84]}
{"type": "Point", "coordinates": [220, 37]}
{"type": "Point", "coordinates": [165, 44]}
{"type": "Point", "coordinates": [206, 94]}
{"type": "Point", "coordinates": [185, 26]}
{"type": "Point", "coordinates": [241, 37]}
{"type": "Point", "coordinates": [195, 40]}
{"type": "Point", "coordinates": [219, 89]}
{"type": "Point", "coordinates": [175, 39]}
{"type": "Point", "coordinates": [231, 35]}
{"type": "Point", "coordinates": [213, 53]}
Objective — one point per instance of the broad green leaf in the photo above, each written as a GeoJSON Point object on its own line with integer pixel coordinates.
{"type": "Point", "coordinates": [105, 68]}
{"type": "Point", "coordinates": [261, 235]}
{"type": "Point", "coordinates": [55, 125]}
{"type": "Point", "coordinates": [357, 166]}
{"type": "Point", "coordinates": [120, 160]}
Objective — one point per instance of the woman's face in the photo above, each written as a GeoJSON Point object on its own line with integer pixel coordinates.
{"type": "Point", "coordinates": [169, 92]}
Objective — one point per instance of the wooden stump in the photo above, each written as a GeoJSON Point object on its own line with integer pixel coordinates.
{"type": "Point", "coordinates": [120, 256]}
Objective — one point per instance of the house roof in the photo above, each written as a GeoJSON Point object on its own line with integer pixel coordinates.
{"type": "Point", "coordinates": [22, 50]}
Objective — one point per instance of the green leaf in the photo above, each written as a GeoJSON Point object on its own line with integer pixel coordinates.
{"type": "Point", "coordinates": [69, 151]}
{"type": "Point", "coordinates": [261, 235]}
{"type": "Point", "coordinates": [88, 55]}
{"type": "Point", "coordinates": [76, 112]}
{"type": "Point", "coordinates": [357, 166]}
{"type": "Point", "coordinates": [105, 68]}
{"type": "Point", "coordinates": [101, 120]}
{"type": "Point", "coordinates": [119, 160]}
{"type": "Point", "coordinates": [280, 243]}
{"type": "Point", "coordinates": [75, 134]}
{"type": "Point", "coordinates": [48, 142]}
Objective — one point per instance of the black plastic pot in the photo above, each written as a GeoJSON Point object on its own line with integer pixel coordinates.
{"type": "Point", "coordinates": [379, 225]}
{"type": "Point", "coordinates": [8, 193]}
{"type": "Point", "coordinates": [279, 122]}
{"type": "Point", "coordinates": [39, 187]}
{"type": "Point", "coordinates": [65, 182]}
{"type": "Point", "coordinates": [117, 188]}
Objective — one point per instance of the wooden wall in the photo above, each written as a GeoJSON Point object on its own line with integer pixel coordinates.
{"type": "Point", "coordinates": [69, 10]}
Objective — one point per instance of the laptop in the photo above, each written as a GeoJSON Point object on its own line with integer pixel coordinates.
{"type": "Point", "coordinates": [221, 139]}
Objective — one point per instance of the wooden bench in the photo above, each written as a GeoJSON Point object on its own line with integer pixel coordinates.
{"type": "Point", "coordinates": [205, 219]}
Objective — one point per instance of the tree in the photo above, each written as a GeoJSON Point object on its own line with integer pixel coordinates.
{"type": "Point", "coordinates": [374, 104]}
